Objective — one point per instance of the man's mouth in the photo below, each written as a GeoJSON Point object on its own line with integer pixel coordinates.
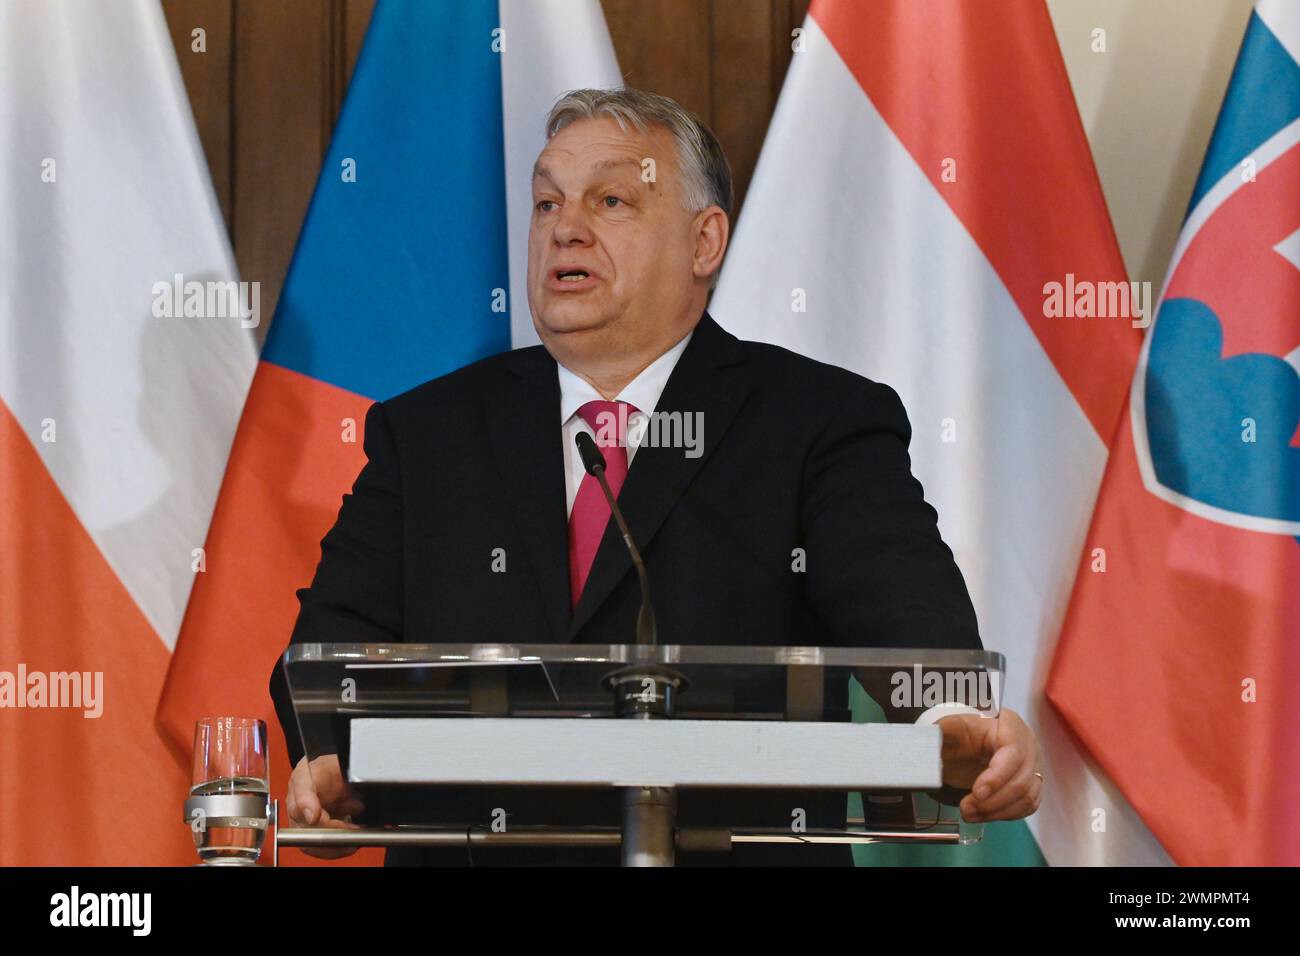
{"type": "Point", "coordinates": [571, 279]}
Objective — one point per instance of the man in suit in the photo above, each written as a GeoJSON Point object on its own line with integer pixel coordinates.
{"type": "Point", "coordinates": [783, 456]}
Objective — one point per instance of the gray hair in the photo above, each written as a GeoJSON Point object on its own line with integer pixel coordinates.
{"type": "Point", "coordinates": [706, 175]}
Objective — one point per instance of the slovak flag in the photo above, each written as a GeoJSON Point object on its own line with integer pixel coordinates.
{"type": "Point", "coordinates": [1180, 656]}
{"type": "Point", "coordinates": [410, 265]}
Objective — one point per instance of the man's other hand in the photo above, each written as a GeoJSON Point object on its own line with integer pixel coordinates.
{"type": "Point", "coordinates": [998, 760]}
{"type": "Point", "coordinates": [319, 797]}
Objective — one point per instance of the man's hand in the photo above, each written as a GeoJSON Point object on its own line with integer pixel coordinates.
{"type": "Point", "coordinates": [997, 759]}
{"type": "Point", "coordinates": [319, 797]}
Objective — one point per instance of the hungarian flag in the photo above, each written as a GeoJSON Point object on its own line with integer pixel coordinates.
{"type": "Point", "coordinates": [410, 264]}
{"type": "Point", "coordinates": [925, 212]}
{"type": "Point", "coordinates": [126, 350]}
{"type": "Point", "coordinates": [1180, 658]}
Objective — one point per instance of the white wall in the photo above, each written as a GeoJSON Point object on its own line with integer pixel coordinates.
{"type": "Point", "coordinates": [1149, 104]}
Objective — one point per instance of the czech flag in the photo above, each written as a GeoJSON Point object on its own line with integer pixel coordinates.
{"type": "Point", "coordinates": [410, 264]}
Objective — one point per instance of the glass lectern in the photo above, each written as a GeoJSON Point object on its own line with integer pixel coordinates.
{"type": "Point", "coordinates": [653, 750]}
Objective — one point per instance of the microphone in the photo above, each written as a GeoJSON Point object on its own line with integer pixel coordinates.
{"type": "Point", "coordinates": [594, 462]}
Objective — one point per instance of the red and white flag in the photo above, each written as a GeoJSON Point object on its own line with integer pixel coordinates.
{"type": "Point", "coordinates": [117, 409]}
{"type": "Point", "coordinates": [925, 186]}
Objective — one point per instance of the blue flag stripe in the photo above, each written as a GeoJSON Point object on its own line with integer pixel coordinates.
{"type": "Point", "coordinates": [1263, 97]}
{"type": "Point", "coordinates": [393, 279]}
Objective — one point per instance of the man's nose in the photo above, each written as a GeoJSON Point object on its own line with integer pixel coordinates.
{"type": "Point", "coordinates": [572, 227]}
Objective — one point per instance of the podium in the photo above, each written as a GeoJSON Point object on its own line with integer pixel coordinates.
{"type": "Point", "coordinates": [652, 750]}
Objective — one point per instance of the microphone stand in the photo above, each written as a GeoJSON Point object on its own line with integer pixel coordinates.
{"type": "Point", "coordinates": [642, 691]}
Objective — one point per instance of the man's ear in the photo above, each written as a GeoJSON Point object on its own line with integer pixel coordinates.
{"type": "Point", "coordinates": [712, 233]}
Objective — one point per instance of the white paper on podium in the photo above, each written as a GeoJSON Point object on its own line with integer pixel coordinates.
{"type": "Point", "coordinates": [628, 752]}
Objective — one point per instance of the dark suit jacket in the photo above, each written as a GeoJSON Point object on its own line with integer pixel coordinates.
{"type": "Point", "coordinates": [796, 454]}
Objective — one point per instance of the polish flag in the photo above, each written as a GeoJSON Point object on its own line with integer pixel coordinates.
{"type": "Point", "coordinates": [119, 399]}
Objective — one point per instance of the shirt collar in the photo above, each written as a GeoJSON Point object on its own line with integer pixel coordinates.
{"type": "Point", "coordinates": [643, 392]}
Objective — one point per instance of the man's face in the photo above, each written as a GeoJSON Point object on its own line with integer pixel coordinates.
{"type": "Point", "coordinates": [610, 254]}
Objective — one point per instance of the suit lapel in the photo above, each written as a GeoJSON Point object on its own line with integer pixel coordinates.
{"type": "Point", "coordinates": [525, 437]}
{"type": "Point", "coordinates": [704, 383]}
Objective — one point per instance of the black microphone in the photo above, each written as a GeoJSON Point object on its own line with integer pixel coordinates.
{"type": "Point", "coordinates": [594, 462]}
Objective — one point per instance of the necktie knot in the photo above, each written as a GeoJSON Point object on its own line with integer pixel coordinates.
{"type": "Point", "coordinates": [608, 420]}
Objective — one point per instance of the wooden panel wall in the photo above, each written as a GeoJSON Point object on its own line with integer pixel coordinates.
{"type": "Point", "coordinates": [267, 88]}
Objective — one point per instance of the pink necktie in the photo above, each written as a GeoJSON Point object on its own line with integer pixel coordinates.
{"type": "Point", "coordinates": [590, 509]}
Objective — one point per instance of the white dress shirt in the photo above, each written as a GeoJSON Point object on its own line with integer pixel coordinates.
{"type": "Point", "coordinates": [642, 392]}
